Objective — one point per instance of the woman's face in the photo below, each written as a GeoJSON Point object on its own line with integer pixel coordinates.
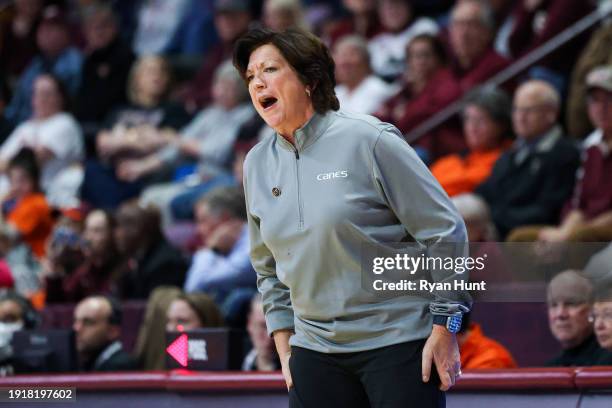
{"type": "Point", "coordinates": [602, 324]}
{"type": "Point", "coordinates": [46, 98]}
{"type": "Point", "coordinates": [481, 131]}
{"type": "Point", "coordinates": [394, 14]}
{"type": "Point", "coordinates": [276, 91]}
{"type": "Point", "coordinates": [152, 78]}
{"type": "Point", "coordinates": [97, 232]}
{"type": "Point", "coordinates": [181, 314]}
{"type": "Point", "coordinates": [422, 59]}
{"type": "Point", "coordinates": [277, 18]}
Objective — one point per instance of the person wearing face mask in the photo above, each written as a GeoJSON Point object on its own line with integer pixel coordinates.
{"type": "Point", "coordinates": [16, 313]}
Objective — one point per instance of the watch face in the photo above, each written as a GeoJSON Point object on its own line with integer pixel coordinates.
{"type": "Point", "coordinates": [453, 324]}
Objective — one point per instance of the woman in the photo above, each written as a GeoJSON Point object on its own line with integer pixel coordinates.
{"type": "Point", "coordinates": [203, 149]}
{"type": "Point", "coordinates": [486, 124]}
{"type": "Point", "coordinates": [133, 132]}
{"type": "Point", "coordinates": [56, 139]}
{"type": "Point", "coordinates": [96, 274]}
{"type": "Point", "coordinates": [328, 183]}
{"type": "Point", "coordinates": [428, 86]}
{"type": "Point", "coordinates": [400, 26]}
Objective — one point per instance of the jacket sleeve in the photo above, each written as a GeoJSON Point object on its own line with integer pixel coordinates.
{"type": "Point", "coordinates": [275, 294]}
{"type": "Point", "coordinates": [424, 209]}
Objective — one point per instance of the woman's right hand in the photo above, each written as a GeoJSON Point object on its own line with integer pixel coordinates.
{"type": "Point", "coordinates": [285, 369]}
{"type": "Point", "coordinates": [281, 340]}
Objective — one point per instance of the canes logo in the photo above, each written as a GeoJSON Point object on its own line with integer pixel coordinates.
{"type": "Point", "coordinates": [332, 175]}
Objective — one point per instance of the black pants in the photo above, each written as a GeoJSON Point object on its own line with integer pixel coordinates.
{"type": "Point", "coordinates": [388, 377]}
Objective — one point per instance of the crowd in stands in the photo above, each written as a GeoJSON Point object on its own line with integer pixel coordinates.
{"type": "Point", "coordinates": [124, 127]}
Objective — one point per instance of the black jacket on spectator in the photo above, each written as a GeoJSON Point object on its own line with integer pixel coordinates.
{"type": "Point", "coordinates": [103, 85]}
{"type": "Point", "coordinates": [588, 353]}
{"type": "Point", "coordinates": [529, 185]}
{"type": "Point", "coordinates": [112, 358]}
{"type": "Point", "coordinates": [161, 264]}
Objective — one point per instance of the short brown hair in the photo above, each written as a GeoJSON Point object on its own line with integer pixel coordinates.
{"type": "Point", "coordinates": [306, 54]}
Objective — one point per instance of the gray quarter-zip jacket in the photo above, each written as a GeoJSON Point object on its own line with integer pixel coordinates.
{"type": "Point", "coordinates": [350, 180]}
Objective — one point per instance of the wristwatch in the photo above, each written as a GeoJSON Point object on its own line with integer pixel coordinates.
{"type": "Point", "coordinates": [452, 323]}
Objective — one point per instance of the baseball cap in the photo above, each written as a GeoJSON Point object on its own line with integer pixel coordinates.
{"type": "Point", "coordinates": [600, 77]}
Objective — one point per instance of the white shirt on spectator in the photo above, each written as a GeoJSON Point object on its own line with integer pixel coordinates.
{"type": "Point", "coordinates": [367, 97]}
{"type": "Point", "coordinates": [158, 21]}
{"type": "Point", "coordinates": [218, 274]}
{"type": "Point", "coordinates": [60, 134]}
{"type": "Point", "coordinates": [388, 50]}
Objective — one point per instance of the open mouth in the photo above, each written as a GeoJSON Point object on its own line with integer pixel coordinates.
{"type": "Point", "coordinates": [267, 102]}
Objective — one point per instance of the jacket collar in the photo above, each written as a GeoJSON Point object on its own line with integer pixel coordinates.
{"type": "Point", "coordinates": [545, 144]}
{"type": "Point", "coordinates": [307, 134]}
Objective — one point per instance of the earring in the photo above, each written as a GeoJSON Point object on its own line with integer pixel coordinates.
{"type": "Point", "coordinates": [308, 92]}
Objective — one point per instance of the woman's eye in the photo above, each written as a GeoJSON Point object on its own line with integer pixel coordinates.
{"type": "Point", "coordinates": [270, 69]}
{"type": "Point", "coordinates": [249, 78]}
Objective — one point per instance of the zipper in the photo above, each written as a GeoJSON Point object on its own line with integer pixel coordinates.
{"type": "Point", "coordinates": [297, 174]}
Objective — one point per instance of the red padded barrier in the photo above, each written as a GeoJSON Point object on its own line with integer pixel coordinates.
{"type": "Point", "coordinates": [594, 377]}
{"type": "Point", "coordinates": [183, 380]}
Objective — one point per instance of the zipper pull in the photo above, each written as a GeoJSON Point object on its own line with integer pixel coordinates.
{"type": "Point", "coordinates": [297, 154]}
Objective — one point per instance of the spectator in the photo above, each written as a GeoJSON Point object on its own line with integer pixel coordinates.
{"type": "Point", "coordinates": [222, 264]}
{"type": "Point", "coordinates": [56, 139]}
{"type": "Point", "coordinates": [537, 21]}
{"type": "Point", "coordinates": [148, 260]}
{"type": "Point", "coordinates": [97, 325]}
{"type": "Point", "coordinates": [588, 214]}
{"type": "Point", "coordinates": [479, 351]}
{"type": "Point", "coordinates": [26, 210]}
{"type": "Point", "coordinates": [207, 140]}
{"type": "Point", "coordinates": [530, 182]}
{"type": "Point", "coordinates": [358, 89]}
{"type": "Point", "coordinates": [428, 86]}
{"type": "Point", "coordinates": [362, 20]}
{"type": "Point", "coordinates": [192, 311]}
{"type": "Point", "coordinates": [16, 314]}
{"type": "Point", "coordinates": [279, 15]}
{"type": "Point", "coordinates": [56, 56]}
{"type": "Point", "coordinates": [568, 296]}
{"type": "Point", "coordinates": [97, 273]}
{"type": "Point", "coordinates": [388, 48]}
{"type": "Point", "coordinates": [477, 218]}
{"type": "Point", "coordinates": [486, 124]}
{"type": "Point", "coordinates": [232, 19]}
{"type": "Point", "coordinates": [105, 70]}
{"type": "Point", "coordinates": [132, 132]}
{"type": "Point", "coordinates": [18, 37]}
{"type": "Point", "coordinates": [601, 318]}
{"type": "Point", "coordinates": [596, 53]}
{"type": "Point", "coordinates": [263, 356]}
{"type": "Point", "coordinates": [471, 31]}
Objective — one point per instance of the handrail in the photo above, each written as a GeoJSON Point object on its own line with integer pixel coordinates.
{"type": "Point", "coordinates": [515, 380]}
{"type": "Point", "coordinates": [601, 13]}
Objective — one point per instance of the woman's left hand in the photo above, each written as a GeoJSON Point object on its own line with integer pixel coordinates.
{"type": "Point", "coordinates": [442, 350]}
